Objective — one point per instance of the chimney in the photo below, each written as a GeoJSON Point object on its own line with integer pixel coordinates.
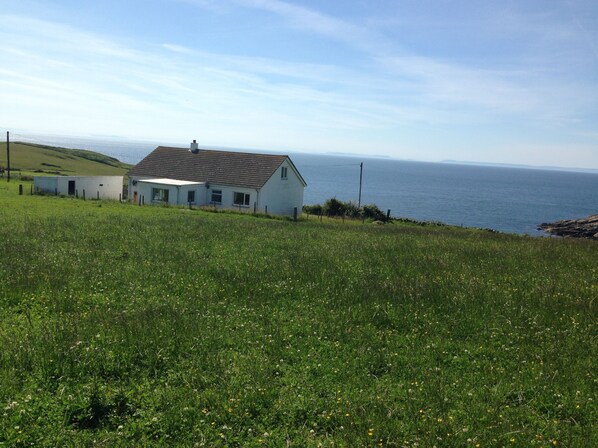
{"type": "Point", "coordinates": [194, 147]}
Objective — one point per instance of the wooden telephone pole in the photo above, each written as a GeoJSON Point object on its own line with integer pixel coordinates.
{"type": "Point", "coordinates": [8, 155]}
{"type": "Point", "coordinates": [360, 178]}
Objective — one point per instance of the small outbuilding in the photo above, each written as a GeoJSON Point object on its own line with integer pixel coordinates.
{"type": "Point", "coordinates": [267, 183]}
{"type": "Point", "coordinates": [92, 187]}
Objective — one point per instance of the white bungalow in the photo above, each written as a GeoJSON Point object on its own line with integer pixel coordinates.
{"type": "Point", "coordinates": [246, 181]}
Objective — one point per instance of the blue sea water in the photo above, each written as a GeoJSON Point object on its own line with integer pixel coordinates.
{"type": "Point", "coordinates": [506, 199]}
{"type": "Point", "coordinates": [502, 198]}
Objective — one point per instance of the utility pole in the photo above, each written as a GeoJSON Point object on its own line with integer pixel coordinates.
{"type": "Point", "coordinates": [360, 179]}
{"type": "Point", "coordinates": [8, 155]}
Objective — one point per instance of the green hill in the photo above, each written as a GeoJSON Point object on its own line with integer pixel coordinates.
{"type": "Point", "coordinates": [30, 158]}
{"type": "Point", "coordinates": [123, 325]}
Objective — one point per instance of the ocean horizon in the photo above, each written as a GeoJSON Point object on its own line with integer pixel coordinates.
{"type": "Point", "coordinates": [502, 197]}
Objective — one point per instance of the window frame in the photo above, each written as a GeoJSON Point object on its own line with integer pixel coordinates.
{"type": "Point", "coordinates": [217, 193]}
{"type": "Point", "coordinates": [284, 173]}
{"type": "Point", "coordinates": [160, 194]}
{"type": "Point", "coordinates": [191, 199]}
{"type": "Point", "coordinates": [246, 199]}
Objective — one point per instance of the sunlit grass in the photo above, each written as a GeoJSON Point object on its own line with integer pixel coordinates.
{"type": "Point", "coordinates": [33, 159]}
{"type": "Point", "coordinates": [140, 325]}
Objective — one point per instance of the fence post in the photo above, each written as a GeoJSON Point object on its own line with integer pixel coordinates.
{"type": "Point", "coordinates": [266, 209]}
{"type": "Point", "coordinates": [55, 191]}
{"type": "Point", "coordinates": [83, 194]}
{"type": "Point", "coordinates": [77, 194]}
{"type": "Point", "coordinates": [295, 214]}
{"type": "Point", "coordinates": [20, 189]}
{"type": "Point", "coordinates": [31, 190]}
{"type": "Point", "coordinates": [120, 197]}
{"type": "Point", "coordinates": [98, 195]}
{"type": "Point", "coordinates": [388, 214]}
{"type": "Point", "coordinates": [254, 207]}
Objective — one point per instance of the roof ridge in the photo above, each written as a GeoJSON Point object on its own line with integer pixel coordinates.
{"type": "Point", "coordinates": [225, 151]}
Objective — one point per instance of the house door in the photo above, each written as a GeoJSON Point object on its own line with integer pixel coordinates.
{"type": "Point", "coordinates": [71, 187]}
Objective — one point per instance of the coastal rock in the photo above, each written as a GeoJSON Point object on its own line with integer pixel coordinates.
{"type": "Point", "coordinates": [573, 228]}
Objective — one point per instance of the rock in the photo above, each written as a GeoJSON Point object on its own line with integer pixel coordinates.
{"type": "Point", "coordinates": [573, 228]}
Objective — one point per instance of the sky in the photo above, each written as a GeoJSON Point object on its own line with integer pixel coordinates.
{"type": "Point", "coordinates": [511, 81]}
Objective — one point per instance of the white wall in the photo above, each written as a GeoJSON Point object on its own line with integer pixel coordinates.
{"type": "Point", "coordinates": [228, 196]}
{"type": "Point", "coordinates": [281, 196]}
{"type": "Point", "coordinates": [104, 187]}
{"type": "Point", "coordinates": [177, 194]}
{"type": "Point", "coordinates": [45, 184]}
{"type": "Point", "coordinates": [133, 188]}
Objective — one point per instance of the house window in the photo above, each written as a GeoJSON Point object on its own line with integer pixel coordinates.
{"type": "Point", "coordinates": [159, 195]}
{"type": "Point", "coordinates": [216, 197]}
{"type": "Point", "coordinates": [283, 172]}
{"type": "Point", "coordinates": [241, 199]}
{"type": "Point", "coordinates": [191, 196]}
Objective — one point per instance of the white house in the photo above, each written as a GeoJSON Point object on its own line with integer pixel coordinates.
{"type": "Point", "coordinates": [236, 180]}
{"type": "Point", "coordinates": [91, 187]}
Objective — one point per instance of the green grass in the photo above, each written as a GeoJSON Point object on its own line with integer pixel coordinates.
{"type": "Point", "coordinates": [124, 325]}
{"type": "Point", "coordinates": [29, 158]}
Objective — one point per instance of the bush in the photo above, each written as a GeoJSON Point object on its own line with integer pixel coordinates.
{"type": "Point", "coordinates": [334, 207]}
{"type": "Point", "coordinates": [371, 211]}
{"type": "Point", "coordinates": [312, 209]}
{"type": "Point", "coordinates": [352, 211]}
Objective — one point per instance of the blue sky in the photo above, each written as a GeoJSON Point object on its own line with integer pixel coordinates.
{"type": "Point", "coordinates": [506, 82]}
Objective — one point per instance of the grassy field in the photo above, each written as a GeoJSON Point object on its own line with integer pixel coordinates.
{"type": "Point", "coordinates": [123, 325]}
{"type": "Point", "coordinates": [29, 158]}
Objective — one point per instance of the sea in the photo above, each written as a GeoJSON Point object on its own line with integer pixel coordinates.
{"type": "Point", "coordinates": [504, 198]}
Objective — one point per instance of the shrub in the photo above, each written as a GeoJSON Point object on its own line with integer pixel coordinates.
{"type": "Point", "coordinates": [313, 209]}
{"type": "Point", "coordinates": [371, 211]}
{"type": "Point", "coordinates": [334, 207]}
{"type": "Point", "coordinates": [351, 210]}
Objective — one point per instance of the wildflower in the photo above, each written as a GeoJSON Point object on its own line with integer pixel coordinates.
{"type": "Point", "coordinates": [371, 432]}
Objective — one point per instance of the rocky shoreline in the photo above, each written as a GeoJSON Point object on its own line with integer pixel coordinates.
{"type": "Point", "coordinates": [573, 228]}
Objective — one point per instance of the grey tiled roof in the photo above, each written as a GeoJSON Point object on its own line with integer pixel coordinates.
{"type": "Point", "coordinates": [220, 167]}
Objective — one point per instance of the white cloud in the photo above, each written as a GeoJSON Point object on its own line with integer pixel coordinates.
{"type": "Point", "coordinates": [65, 77]}
{"type": "Point", "coordinates": [178, 49]}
